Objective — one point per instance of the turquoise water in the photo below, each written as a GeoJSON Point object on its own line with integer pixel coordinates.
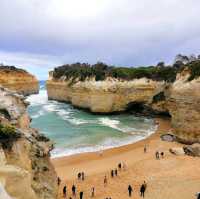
{"type": "Point", "coordinates": [76, 131]}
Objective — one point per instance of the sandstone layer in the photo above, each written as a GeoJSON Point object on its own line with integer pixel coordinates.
{"type": "Point", "coordinates": [18, 80]}
{"type": "Point", "coordinates": [25, 168]}
{"type": "Point", "coordinates": [180, 99]}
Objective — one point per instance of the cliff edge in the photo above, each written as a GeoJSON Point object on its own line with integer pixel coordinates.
{"type": "Point", "coordinates": [25, 167]}
{"type": "Point", "coordinates": [18, 80]}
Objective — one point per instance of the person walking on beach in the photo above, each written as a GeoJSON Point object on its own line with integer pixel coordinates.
{"type": "Point", "coordinates": [130, 190]}
{"type": "Point", "coordinates": [83, 176]}
{"type": "Point", "coordinates": [143, 189]}
{"type": "Point", "coordinates": [145, 149]}
{"type": "Point", "coordinates": [92, 192]}
{"type": "Point", "coordinates": [58, 181]}
{"type": "Point", "coordinates": [105, 181]}
{"type": "Point", "coordinates": [162, 154]}
{"type": "Point", "coordinates": [198, 195]}
{"type": "Point", "coordinates": [120, 166]}
{"type": "Point", "coordinates": [73, 190]}
{"type": "Point", "coordinates": [115, 172]}
{"type": "Point", "coordinates": [81, 195]}
{"type": "Point", "coordinates": [112, 173]}
{"type": "Point", "coordinates": [79, 176]}
{"type": "Point", "coordinates": [157, 155]}
{"type": "Point", "coordinates": [65, 191]}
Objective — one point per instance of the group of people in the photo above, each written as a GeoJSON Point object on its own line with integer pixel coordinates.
{"type": "Point", "coordinates": [159, 154]}
{"type": "Point", "coordinates": [81, 176]}
{"type": "Point", "coordinates": [142, 189]}
{"type": "Point", "coordinates": [73, 189]}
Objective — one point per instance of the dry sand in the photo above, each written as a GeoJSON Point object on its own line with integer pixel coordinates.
{"type": "Point", "coordinates": [173, 177]}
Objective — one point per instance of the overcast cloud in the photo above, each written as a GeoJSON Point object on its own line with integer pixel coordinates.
{"type": "Point", "coordinates": [41, 34]}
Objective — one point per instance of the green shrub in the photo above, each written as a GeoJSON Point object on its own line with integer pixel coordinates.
{"type": "Point", "coordinates": [100, 71]}
{"type": "Point", "coordinates": [8, 135]}
{"type": "Point", "coordinates": [194, 68]}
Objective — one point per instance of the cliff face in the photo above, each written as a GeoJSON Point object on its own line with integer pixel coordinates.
{"type": "Point", "coordinates": [106, 96]}
{"type": "Point", "coordinates": [183, 105]}
{"type": "Point", "coordinates": [25, 168]}
{"type": "Point", "coordinates": [180, 99]}
{"type": "Point", "coordinates": [18, 80]}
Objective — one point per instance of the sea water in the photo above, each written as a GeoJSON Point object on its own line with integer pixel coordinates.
{"type": "Point", "coordinates": [76, 131]}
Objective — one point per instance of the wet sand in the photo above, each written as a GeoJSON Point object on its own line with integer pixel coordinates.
{"type": "Point", "coordinates": [171, 177]}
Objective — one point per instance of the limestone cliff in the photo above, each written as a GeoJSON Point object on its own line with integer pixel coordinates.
{"type": "Point", "coordinates": [25, 168]}
{"type": "Point", "coordinates": [110, 95]}
{"type": "Point", "coordinates": [18, 80]}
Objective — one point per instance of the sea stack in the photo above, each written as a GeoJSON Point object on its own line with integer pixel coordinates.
{"type": "Point", "coordinates": [18, 80]}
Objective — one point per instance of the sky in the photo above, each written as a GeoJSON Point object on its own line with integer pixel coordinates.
{"type": "Point", "coordinates": [38, 35]}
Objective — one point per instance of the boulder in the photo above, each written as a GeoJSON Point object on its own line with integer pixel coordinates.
{"type": "Point", "coordinates": [168, 137]}
{"type": "Point", "coordinates": [192, 150]}
{"type": "Point", "coordinates": [177, 151]}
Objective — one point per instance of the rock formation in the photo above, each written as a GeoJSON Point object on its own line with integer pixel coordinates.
{"type": "Point", "coordinates": [179, 97]}
{"type": "Point", "coordinates": [18, 80]}
{"type": "Point", "coordinates": [25, 168]}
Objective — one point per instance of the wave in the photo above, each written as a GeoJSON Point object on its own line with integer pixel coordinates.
{"type": "Point", "coordinates": [38, 99]}
{"type": "Point", "coordinates": [108, 143]}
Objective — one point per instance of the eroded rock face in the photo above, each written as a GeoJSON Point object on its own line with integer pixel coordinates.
{"type": "Point", "coordinates": [25, 167]}
{"type": "Point", "coordinates": [18, 80]}
{"type": "Point", "coordinates": [106, 96]}
{"type": "Point", "coordinates": [184, 107]}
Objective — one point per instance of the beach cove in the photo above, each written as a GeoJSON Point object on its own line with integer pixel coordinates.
{"type": "Point", "coordinates": [171, 177]}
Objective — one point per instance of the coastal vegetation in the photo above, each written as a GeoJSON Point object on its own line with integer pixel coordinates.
{"type": "Point", "coordinates": [100, 71]}
{"type": "Point", "coordinates": [8, 135]}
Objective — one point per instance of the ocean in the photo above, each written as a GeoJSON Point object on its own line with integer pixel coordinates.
{"type": "Point", "coordinates": [76, 131]}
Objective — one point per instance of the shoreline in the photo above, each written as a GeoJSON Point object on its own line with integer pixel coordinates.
{"type": "Point", "coordinates": [162, 126]}
{"type": "Point", "coordinates": [174, 176]}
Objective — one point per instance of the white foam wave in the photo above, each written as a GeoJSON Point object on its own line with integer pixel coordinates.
{"type": "Point", "coordinates": [106, 144]}
{"type": "Point", "coordinates": [109, 122]}
{"type": "Point", "coordinates": [40, 113]}
{"type": "Point", "coordinates": [38, 99]}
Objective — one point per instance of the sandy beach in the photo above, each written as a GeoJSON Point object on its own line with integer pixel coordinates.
{"type": "Point", "coordinates": [171, 177]}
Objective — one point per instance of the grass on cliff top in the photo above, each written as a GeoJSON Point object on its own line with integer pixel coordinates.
{"type": "Point", "coordinates": [101, 71]}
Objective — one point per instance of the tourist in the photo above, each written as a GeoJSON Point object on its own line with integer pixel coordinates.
{"type": "Point", "coordinates": [65, 191]}
{"type": "Point", "coordinates": [143, 189]}
{"type": "Point", "coordinates": [83, 176]}
{"type": "Point", "coordinates": [130, 189]}
{"type": "Point", "coordinates": [157, 155]}
{"type": "Point", "coordinates": [92, 192]}
{"type": "Point", "coordinates": [79, 176]}
{"type": "Point", "coordinates": [198, 195]}
{"type": "Point", "coordinates": [162, 154]}
{"type": "Point", "coordinates": [112, 173]}
{"type": "Point", "coordinates": [73, 190]}
{"type": "Point", "coordinates": [105, 181]}
{"type": "Point", "coordinates": [81, 195]}
{"type": "Point", "coordinates": [119, 166]}
{"type": "Point", "coordinates": [116, 172]}
{"type": "Point", "coordinates": [58, 181]}
{"type": "Point", "coordinates": [145, 149]}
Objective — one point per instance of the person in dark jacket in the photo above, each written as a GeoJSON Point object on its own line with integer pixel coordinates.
{"type": "Point", "coordinates": [112, 173]}
{"type": "Point", "coordinates": [65, 191]}
{"type": "Point", "coordinates": [143, 189]}
{"type": "Point", "coordinates": [73, 190]}
{"type": "Point", "coordinates": [130, 190]}
{"type": "Point", "coordinates": [81, 195]}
